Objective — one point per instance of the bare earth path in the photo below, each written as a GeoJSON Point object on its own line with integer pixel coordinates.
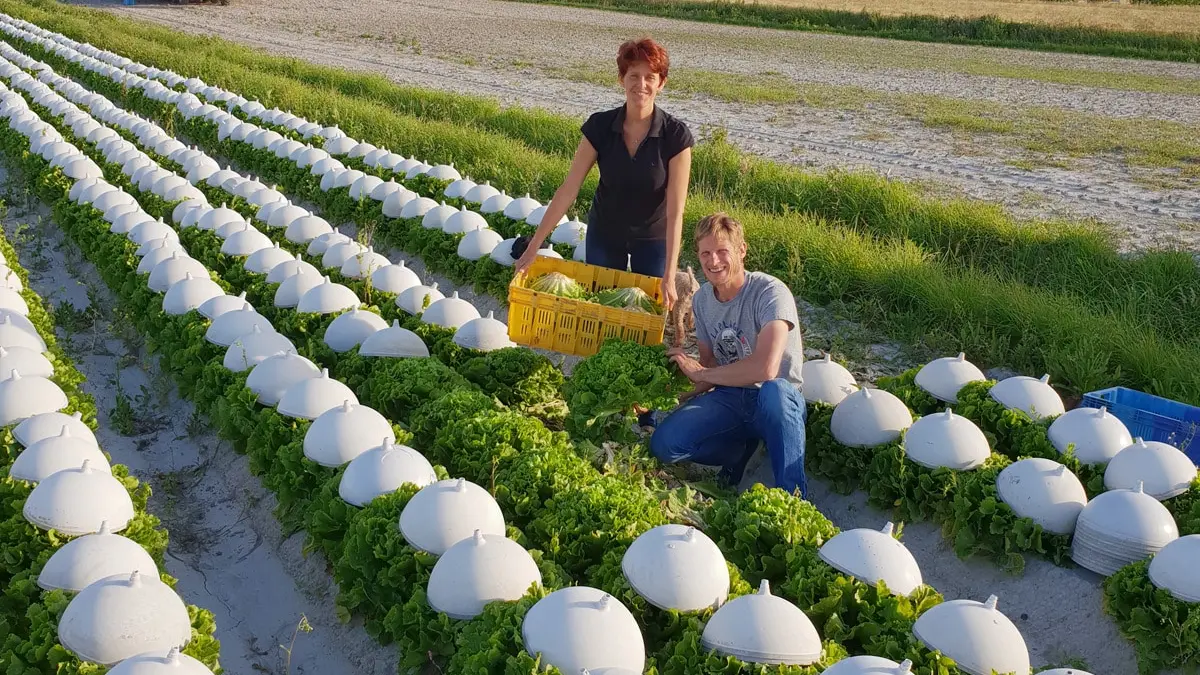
{"type": "Point", "coordinates": [549, 57]}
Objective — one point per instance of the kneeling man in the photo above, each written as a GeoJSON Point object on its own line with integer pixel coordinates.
{"type": "Point", "coordinates": [747, 381]}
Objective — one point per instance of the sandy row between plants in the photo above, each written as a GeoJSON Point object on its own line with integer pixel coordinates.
{"type": "Point", "coordinates": [508, 43]}
{"type": "Point", "coordinates": [226, 546]}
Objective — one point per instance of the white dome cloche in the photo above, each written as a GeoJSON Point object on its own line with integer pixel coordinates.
{"type": "Point", "coordinates": [227, 328]}
{"type": "Point", "coordinates": [478, 244]}
{"type": "Point", "coordinates": [1033, 397]}
{"type": "Point", "coordinates": [151, 230]}
{"type": "Point", "coordinates": [78, 501]}
{"type": "Point", "coordinates": [869, 418]}
{"type": "Point", "coordinates": [677, 567]}
{"type": "Point", "coordinates": [872, 556]}
{"type": "Point", "coordinates": [217, 306]}
{"type": "Point", "coordinates": [1119, 527]}
{"type": "Point", "coordinates": [520, 208]}
{"type": "Point", "coordinates": [570, 232]}
{"type": "Point", "coordinates": [394, 203]}
{"type": "Point", "coordinates": [1163, 470]}
{"type": "Point", "coordinates": [535, 217]}
{"type": "Point", "coordinates": [25, 360]}
{"type": "Point", "coordinates": [363, 264]}
{"type": "Point", "coordinates": [284, 216]}
{"type": "Point", "coordinates": [495, 204]}
{"type": "Point", "coordinates": [57, 453]}
{"type": "Point", "coordinates": [327, 298]}
{"type": "Point", "coordinates": [485, 334]}
{"type": "Point", "coordinates": [158, 662]}
{"type": "Point", "coordinates": [295, 286]}
{"type": "Point", "coordinates": [476, 571]}
{"type": "Point", "coordinates": [463, 221]}
{"type": "Point", "coordinates": [413, 299]}
{"type": "Point", "coordinates": [255, 347]}
{"type": "Point", "coordinates": [310, 397]}
{"type": "Point", "coordinates": [245, 242]}
{"type": "Point", "coordinates": [435, 218]}
{"type": "Point", "coordinates": [23, 397]}
{"type": "Point", "coordinates": [944, 439]}
{"type": "Point", "coordinates": [92, 557]}
{"type": "Point", "coordinates": [305, 229]}
{"type": "Point", "coordinates": [480, 193]}
{"type": "Point", "coordinates": [382, 191]}
{"type": "Point", "coordinates": [395, 278]}
{"type": "Point", "coordinates": [340, 434]}
{"type": "Point", "coordinates": [1173, 568]}
{"type": "Point", "coordinates": [189, 294]}
{"type": "Point", "coordinates": [502, 253]}
{"type": "Point", "coordinates": [321, 243]}
{"type": "Point", "coordinates": [394, 341]}
{"type": "Point", "coordinates": [943, 378]}
{"type": "Point", "coordinates": [579, 627]}
{"type": "Point", "coordinates": [219, 217]}
{"type": "Point", "coordinates": [362, 187]}
{"type": "Point", "coordinates": [278, 373]}
{"type": "Point", "coordinates": [826, 380]}
{"type": "Point", "coordinates": [979, 638]}
{"type": "Point", "coordinates": [869, 665]}
{"type": "Point", "coordinates": [11, 299]}
{"type": "Point", "coordinates": [417, 208]}
{"type": "Point", "coordinates": [1097, 434]}
{"type": "Point", "coordinates": [338, 253]}
{"type": "Point", "coordinates": [448, 511]}
{"type": "Point", "coordinates": [349, 329]}
{"type": "Point", "coordinates": [1044, 491]}
{"type": "Point", "coordinates": [459, 188]}
{"type": "Point", "coordinates": [48, 425]}
{"type": "Point", "coordinates": [384, 469]}
{"type": "Point", "coordinates": [443, 172]}
{"type": "Point", "coordinates": [287, 268]}
{"type": "Point", "coordinates": [264, 260]}
{"type": "Point", "coordinates": [173, 270]}
{"type": "Point", "coordinates": [451, 312]}
{"type": "Point", "coordinates": [763, 628]}
{"type": "Point", "coordinates": [122, 616]}
{"type": "Point", "coordinates": [15, 332]}
{"type": "Point", "coordinates": [340, 146]}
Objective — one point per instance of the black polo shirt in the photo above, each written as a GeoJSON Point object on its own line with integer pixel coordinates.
{"type": "Point", "coordinates": [631, 200]}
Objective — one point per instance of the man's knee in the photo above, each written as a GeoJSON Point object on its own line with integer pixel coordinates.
{"type": "Point", "coordinates": [664, 445]}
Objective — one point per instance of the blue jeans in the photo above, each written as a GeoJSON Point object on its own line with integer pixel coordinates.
{"type": "Point", "coordinates": [640, 256]}
{"type": "Point", "coordinates": [724, 426]}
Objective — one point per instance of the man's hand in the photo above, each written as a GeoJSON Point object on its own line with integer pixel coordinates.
{"type": "Point", "coordinates": [525, 260]}
{"type": "Point", "coordinates": [689, 366]}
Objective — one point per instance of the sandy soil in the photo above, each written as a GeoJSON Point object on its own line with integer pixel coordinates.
{"type": "Point", "coordinates": [511, 46]}
{"type": "Point", "coordinates": [225, 545]}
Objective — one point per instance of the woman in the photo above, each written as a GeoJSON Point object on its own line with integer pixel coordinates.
{"type": "Point", "coordinates": [645, 159]}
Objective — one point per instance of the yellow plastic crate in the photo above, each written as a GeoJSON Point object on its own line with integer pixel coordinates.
{"type": "Point", "coordinates": [573, 326]}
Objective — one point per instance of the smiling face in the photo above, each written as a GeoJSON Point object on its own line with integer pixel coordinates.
{"type": "Point", "coordinates": [641, 84]}
{"type": "Point", "coordinates": [722, 260]}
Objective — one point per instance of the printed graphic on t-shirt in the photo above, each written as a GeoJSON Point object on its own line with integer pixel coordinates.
{"type": "Point", "coordinates": [730, 344]}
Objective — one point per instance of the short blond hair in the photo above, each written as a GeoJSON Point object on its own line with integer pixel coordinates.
{"type": "Point", "coordinates": [720, 224]}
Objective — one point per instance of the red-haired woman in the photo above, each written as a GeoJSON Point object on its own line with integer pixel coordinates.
{"type": "Point", "coordinates": [645, 159]}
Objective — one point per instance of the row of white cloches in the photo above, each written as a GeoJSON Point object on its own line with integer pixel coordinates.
{"type": "Point", "coordinates": [121, 612]}
{"type": "Point", "coordinates": [1123, 525]}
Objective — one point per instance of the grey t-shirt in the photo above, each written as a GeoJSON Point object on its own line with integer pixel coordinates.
{"type": "Point", "coordinates": [731, 328]}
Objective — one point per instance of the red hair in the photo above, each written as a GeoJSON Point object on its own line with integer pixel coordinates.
{"type": "Point", "coordinates": [644, 51]}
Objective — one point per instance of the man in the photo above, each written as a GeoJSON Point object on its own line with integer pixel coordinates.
{"type": "Point", "coordinates": [747, 381]}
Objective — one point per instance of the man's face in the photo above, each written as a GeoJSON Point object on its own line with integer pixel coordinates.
{"type": "Point", "coordinates": [721, 259]}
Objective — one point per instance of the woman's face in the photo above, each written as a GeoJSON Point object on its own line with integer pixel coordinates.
{"type": "Point", "coordinates": [641, 84]}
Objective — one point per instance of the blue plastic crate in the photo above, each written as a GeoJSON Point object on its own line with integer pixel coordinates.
{"type": "Point", "coordinates": [1151, 417]}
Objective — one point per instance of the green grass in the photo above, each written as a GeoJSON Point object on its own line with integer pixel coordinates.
{"type": "Point", "coordinates": [952, 275]}
{"type": "Point", "coordinates": [989, 31]}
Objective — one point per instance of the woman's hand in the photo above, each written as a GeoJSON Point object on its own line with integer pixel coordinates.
{"type": "Point", "coordinates": [525, 260]}
{"type": "Point", "coordinates": [669, 293]}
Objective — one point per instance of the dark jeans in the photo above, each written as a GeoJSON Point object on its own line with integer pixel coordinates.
{"type": "Point", "coordinates": [724, 426]}
{"type": "Point", "coordinates": [640, 256]}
